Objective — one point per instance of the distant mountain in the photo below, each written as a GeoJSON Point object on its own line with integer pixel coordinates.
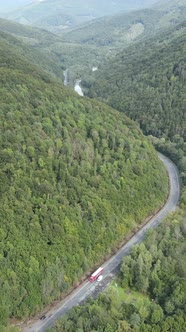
{"type": "Point", "coordinates": [57, 15]}
{"type": "Point", "coordinates": [169, 3]}
{"type": "Point", "coordinates": [49, 48]}
{"type": "Point", "coordinates": [94, 43]}
{"type": "Point", "coordinates": [119, 31]}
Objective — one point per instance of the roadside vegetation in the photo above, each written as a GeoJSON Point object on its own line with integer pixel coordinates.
{"type": "Point", "coordinates": [149, 293]}
{"type": "Point", "coordinates": [147, 82]}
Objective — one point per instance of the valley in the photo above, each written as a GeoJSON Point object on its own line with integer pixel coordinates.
{"type": "Point", "coordinates": [79, 169]}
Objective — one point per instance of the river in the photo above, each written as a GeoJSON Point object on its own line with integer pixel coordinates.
{"type": "Point", "coordinates": [78, 89]}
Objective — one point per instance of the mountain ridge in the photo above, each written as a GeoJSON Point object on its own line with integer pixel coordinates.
{"type": "Point", "coordinates": [139, 71]}
{"type": "Point", "coordinates": [64, 15]}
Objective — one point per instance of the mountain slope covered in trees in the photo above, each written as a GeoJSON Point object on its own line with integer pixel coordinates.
{"type": "Point", "coordinates": [95, 43]}
{"type": "Point", "coordinates": [76, 177]}
{"type": "Point", "coordinates": [57, 15]}
{"type": "Point", "coordinates": [149, 294]}
{"type": "Point", "coordinates": [54, 53]}
{"type": "Point", "coordinates": [121, 30]}
{"type": "Point", "coordinates": [12, 45]}
{"type": "Point", "coordinates": [147, 82]}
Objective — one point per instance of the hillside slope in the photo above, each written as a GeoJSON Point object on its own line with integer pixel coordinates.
{"type": "Point", "coordinates": [121, 30]}
{"type": "Point", "coordinates": [51, 52]}
{"type": "Point", "coordinates": [95, 43]}
{"type": "Point", "coordinates": [57, 15]}
{"type": "Point", "coordinates": [35, 55]}
{"type": "Point", "coordinates": [147, 82]}
{"type": "Point", "coordinates": [76, 177]}
{"type": "Point", "coordinates": [149, 294]}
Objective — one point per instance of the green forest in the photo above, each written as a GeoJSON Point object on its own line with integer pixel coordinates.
{"type": "Point", "coordinates": [149, 293]}
{"type": "Point", "coordinates": [76, 177]}
{"type": "Point", "coordinates": [93, 43]}
{"type": "Point", "coordinates": [120, 30]}
{"type": "Point", "coordinates": [97, 41]}
{"type": "Point", "coordinates": [151, 76]}
{"type": "Point", "coordinates": [147, 82]}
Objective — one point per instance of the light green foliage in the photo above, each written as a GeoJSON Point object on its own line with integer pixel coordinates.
{"type": "Point", "coordinates": [127, 310]}
{"type": "Point", "coordinates": [9, 329]}
{"type": "Point", "coordinates": [76, 177]}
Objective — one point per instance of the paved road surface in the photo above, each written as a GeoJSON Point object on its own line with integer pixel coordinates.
{"type": "Point", "coordinates": [88, 288]}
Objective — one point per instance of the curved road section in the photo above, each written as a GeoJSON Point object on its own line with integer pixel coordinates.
{"type": "Point", "coordinates": [87, 288]}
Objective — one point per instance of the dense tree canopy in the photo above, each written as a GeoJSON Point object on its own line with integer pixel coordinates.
{"type": "Point", "coordinates": [147, 82]}
{"type": "Point", "coordinates": [122, 29]}
{"type": "Point", "coordinates": [155, 268]}
{"type": "Point", "coordinates": [76, 176]}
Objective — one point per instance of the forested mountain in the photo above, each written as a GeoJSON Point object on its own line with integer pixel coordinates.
{"type": "Point", "coordinates": [147, 82]}
{"type": "Point", "coordinates": [58, 15]}
{"type": "Point", "coordinates": [12, 45]}
{"type": "Point", "coordinates": [29, 35]}
{"type": "Point", "coordinates": [54, 53]}
{"type": "Point", "coordinates": [119, 31]}
{"type": "Point", "coordinates": [163, 4]}
{"type": "Point", "coordinates": [96, 42]}
{"type": "Point", "coordinates": [76, 177]}
{"type": "Point", "coordinates": [149, 294]}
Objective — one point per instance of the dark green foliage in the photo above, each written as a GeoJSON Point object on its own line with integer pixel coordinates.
{"type": "Point", "coordinates": [50, 52]}
{"type": "Point", "coordinates": [11, 45]}
{"type": "Point", "coordinates": [147, 82]}
{"type": "Point", "coordinates": [76, 177]}
{"type": "Point", "coordinates": [160, 261]}
{"type": "Point", "coordinates": [137, 82]}
{"type": "Point", "coordinates": [175, 150]}
{"type": "Point", "coordinates": [93, 43]}
{"type": "Point", "coordinates": [121, 30]}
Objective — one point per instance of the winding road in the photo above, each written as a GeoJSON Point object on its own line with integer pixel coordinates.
{"type": "Point", "coordinates": [87, 288]}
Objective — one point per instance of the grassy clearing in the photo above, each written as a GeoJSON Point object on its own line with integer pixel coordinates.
{"type": "Point", "coordinates": [129, 296]}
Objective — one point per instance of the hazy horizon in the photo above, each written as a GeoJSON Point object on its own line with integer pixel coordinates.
{"type": "Point", "coordinates": [12, 4]}
{"type": "Point", "coordinates": [8, 5]}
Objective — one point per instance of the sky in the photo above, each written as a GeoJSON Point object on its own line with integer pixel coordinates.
{"type": "Point", "coordinates": [11, 4]}
{"type": "Point", "coordinates": [8, 5]}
